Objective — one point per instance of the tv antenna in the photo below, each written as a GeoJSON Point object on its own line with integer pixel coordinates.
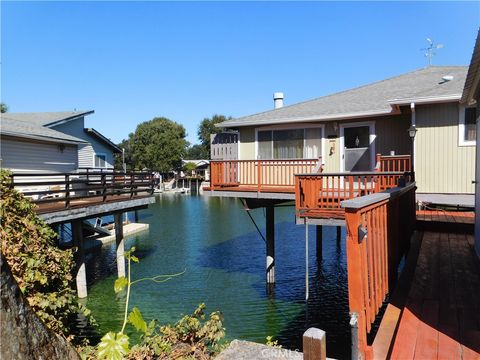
{"type": "Point", "coordinates": [430, 50]}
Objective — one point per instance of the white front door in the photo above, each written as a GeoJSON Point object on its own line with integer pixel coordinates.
{"type": "Point", "coordinates": [357, 147]}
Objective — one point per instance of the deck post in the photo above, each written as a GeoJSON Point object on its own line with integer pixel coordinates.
{"type": "Point", "coordinates": [136, 216]}
{"type": "Point", "coordinates": [314, 344]}
{"type": "Point", "coordinates": [307, 286]}
{"type": "Point", "coordinates": [270, 226]}
{"type": "Point", "coordinates": [319, 243]}
{"type": "Point", "coordinates": [81, 274]}
{"type": "Point", "coordinates": [339, 234]}
{"type": "Point", "coordinates": [120, 244]}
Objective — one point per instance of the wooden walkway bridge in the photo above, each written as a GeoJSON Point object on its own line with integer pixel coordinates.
{"type": "Point", "coordinates": [434, 312]}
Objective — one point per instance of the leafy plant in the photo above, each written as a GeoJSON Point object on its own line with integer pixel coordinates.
{"type": "Point", "coordinates": [273, 343]}
{"type": "Point", "coordinates": [191, 337]}
{"type": "Point", "coordinates": [42, 271]}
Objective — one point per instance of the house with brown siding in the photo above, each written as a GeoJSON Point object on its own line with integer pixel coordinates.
{"type": "Point", "coordinates": [345, 131]}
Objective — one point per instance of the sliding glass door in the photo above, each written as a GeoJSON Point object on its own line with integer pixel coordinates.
{"type": "Point", "coordinates": [290, 143]}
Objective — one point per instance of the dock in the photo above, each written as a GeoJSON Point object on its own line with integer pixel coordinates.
{"type": "Point", "coordinates": [128, 229]}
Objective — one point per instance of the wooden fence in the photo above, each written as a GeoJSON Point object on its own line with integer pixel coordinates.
{"type": "Point", "coordinates": [87, 187]}
{"type": "Point", "coordinates": [379, 228]}
{"type": "Point", "coordinates": [259, 174]}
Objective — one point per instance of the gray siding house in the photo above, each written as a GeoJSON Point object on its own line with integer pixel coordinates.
{"type": "Point", "coordinates": [53, 142]}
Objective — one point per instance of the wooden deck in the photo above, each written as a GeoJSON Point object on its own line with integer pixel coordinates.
{"type": "Point", "coordinates": [59, 205]}
{"type": "Point", "coordinates": [438, 315]}
{"type": "Point", "coordinates": [446, 221]}
{"type": "Point", "coordinates": [454, 217]}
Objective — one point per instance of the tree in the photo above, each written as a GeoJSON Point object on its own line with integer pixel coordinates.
{"type": "Point", "coordinates": [158, 144]}
{"type": "Point", "coordinates": [3, 108]}
{"type": "Point", "coordinates": [197, 152]}
{"type": "Point", "coordinates": [189, 167]}
{"type": "Point", "coordinates": [207, 127]}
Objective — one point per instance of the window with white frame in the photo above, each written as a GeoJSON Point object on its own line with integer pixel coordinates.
{"type": "Point", "coordinates": [100, 160]}
{"type": "Point", "coordinates": [290, 143]}
{"type": "Point", "coordinates": [467, 126]}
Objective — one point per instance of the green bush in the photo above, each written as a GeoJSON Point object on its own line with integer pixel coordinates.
{"type": "Point", "coordinates": [42, 271]}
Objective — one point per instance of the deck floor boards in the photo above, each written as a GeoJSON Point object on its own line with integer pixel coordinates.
{"type": "Point", "coordinates": [59, 205]}
{"type": "Point", "coordinates": [441, 319]}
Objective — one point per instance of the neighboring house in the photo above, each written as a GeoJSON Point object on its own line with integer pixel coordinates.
{"type": "Point", "coordinates": [471, 97]}
{"type": "Point", "coordinates": [88, 148]}
{"type": "Point", "coordinates": [347, 129]}
{"type": "Point", "coordinates": [202, 168]}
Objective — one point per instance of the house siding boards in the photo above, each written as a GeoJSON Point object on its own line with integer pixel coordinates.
{"type": "Point", "coordinates": [22, 156]}
{"type": "Point", "coordinates": [86, 152]}
{"type": "Point", "coordinates": [441, 165]}
{"type": "Point", "coordinates": [247, 144]}
{"type": "Point", "coordinates": [391, 134]}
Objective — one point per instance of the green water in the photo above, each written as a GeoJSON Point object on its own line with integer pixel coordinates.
{"type": "Point", "coordinates": [223, 256]}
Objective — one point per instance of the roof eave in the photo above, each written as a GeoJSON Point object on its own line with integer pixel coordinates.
{"type": "Point", "coordinates": [42, 138]}
{"type": "Point", "coordinates": [471, 88]}
{"type": "Point", "coordinates": [363, 114]}
{"type": "Point", "coordinates": [426, 100]}
{"type": "Point", "coordinates": [105, 140]}
{"type": "Point", "coordinates": [70, 118]}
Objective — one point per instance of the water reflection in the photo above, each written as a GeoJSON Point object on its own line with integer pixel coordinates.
{"type": "Point", "coordinates": [215, 241]}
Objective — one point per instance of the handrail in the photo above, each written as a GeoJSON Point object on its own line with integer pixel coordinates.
{"type": "Point", "coordinates": [68, 188]}
{"type": "Point", "coordinates": [327, 191]}
{"type": "Point", "coordinates": [393, 163]}
{"type": "Point", "coordinates": [258, 174]}
{"type": "Point", "coordinates": [379, 227]}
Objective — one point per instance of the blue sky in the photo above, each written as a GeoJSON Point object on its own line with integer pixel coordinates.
{"type": "Point", "coordinates": [132, 61]}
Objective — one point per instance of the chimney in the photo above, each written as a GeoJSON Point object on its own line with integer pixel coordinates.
{"type": "Point", "coordinates": [278, 100]}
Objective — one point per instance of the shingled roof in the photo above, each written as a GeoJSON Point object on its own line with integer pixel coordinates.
{"type": "Point", "coordinates": [46, 118]}
{"type": "Point", "coordinates": [379, 98]}
{"type": "Point", "coordinates": [29, 130]}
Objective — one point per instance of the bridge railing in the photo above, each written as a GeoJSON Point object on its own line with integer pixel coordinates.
{"type": "Point", "coordinates": [379, 228]}
{"type": "Point", "coordinates": [84, 186]}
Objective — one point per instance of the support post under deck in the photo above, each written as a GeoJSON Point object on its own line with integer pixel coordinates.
{"type": "Point", "coordinates": [319, 242]}
{"type": "Point", "coordinates": [120, 244]}
{"type": "Point", "coordinates": [270, 240]}
{"type": "Point", "coordinates": [81, 274]}
{"type": "Point", "coordinates": [339, 234]}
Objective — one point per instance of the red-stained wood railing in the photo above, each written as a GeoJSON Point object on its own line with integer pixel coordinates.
{"type": "Point", "coordinates": [394, 163]}
{"type": "Point", "coordinates": [89, 186]}
{"type": "Point", "coordinates": [259, 174]}
{"type": "Point", "coordinates": [326, 191]}
{"type": "Point", "coordinates": [379, 228]}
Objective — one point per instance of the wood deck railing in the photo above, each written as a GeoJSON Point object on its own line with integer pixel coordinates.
{"type": "Point", "coordinates": [386, 163]}
{"type": "Point", "coordinates": [259, 175]}
{"type": "Point", "coordinates": [325, 192]}
{"type": "Point", "coordinates": [72, 189]}
{"type": "Point", "coordinates": [379, 227]}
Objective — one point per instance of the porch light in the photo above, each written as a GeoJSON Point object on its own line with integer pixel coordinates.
{"type": "Point", "coordinates": [412, 130]}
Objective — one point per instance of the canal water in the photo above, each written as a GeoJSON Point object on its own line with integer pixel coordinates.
{"type": "Point", "coordinates": [223, 256]}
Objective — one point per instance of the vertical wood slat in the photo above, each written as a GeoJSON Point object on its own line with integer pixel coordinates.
{"type": "Point", "coordinates": [258, 173]}
{"type": "Point", "coordinates": [371, 262]}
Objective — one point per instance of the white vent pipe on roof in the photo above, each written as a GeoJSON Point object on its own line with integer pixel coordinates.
{"type": "Point", "coordinates": [278, 100]}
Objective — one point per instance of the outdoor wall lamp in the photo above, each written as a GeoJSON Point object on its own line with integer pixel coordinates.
{"type": "Point", "coordinates": [362, 233]}
{"type": "Point", "coordinates": [412, 130]}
